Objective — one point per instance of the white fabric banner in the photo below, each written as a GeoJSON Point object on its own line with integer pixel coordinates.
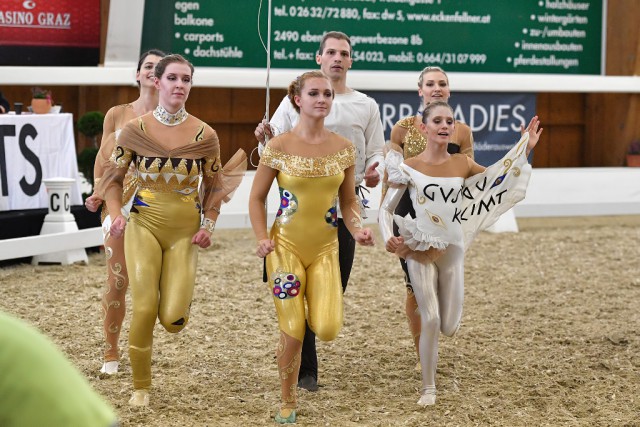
{"type": "Point", "coordinates": [34, 147]}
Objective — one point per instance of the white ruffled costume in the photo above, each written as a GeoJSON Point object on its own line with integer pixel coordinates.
{"type": "Point", "coordinates": [450, 211]}
{"type": "Point", "coordinates": [453, 210]}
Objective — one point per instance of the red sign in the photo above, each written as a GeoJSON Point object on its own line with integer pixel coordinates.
{"type": "Point", "coordinates": [60, 23]}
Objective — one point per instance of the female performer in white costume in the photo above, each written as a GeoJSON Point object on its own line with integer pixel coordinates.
{"type": "Point", "coordinates": [433, 85]}
{"type": "Point", "coordinates": [454, 198]}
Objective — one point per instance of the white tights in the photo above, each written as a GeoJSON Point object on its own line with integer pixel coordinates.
{"type": "Point", "coordinates": [439, 290]}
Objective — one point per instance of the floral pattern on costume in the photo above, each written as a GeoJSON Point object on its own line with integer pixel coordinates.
{"type": "Point", "coordinates": [288, 206]}
{"type": "Point", "coordinates": [285, 285]}
{"type": "Point", "coordinates": [332, 214]}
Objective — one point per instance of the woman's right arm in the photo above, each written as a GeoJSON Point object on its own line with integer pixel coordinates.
{"type": "Point", "coordinates": [385, 216]}
{"type": "Point", "coordinates": [397, 137]}
{"type": "Point", "coordinates": [109, 188]}
{"type": "Point", "coordinates": [257, 214]}
{"type": "Point", "coordinates": [397, 186]}
{"type": "Point", "coordinates": [107, 143]}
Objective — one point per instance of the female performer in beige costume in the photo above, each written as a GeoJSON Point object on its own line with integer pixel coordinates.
{"type": "Point", "coordinates": [113, 300]}
{"type": "Point", "coordinates": [313, 166]}
{"type": "Point", "coordinates": [171, 151]}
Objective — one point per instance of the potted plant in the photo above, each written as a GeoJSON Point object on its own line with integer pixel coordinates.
{"type": "Point", "coordinates": [633, 154]}
{"type": "Point", "coordinates": [41, 100]}
{"type": "Point", "coordinates": [90, 125]}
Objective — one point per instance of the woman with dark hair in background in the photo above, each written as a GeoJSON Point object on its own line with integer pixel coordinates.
{"type": "Point", "coordinates": [5, 106]}
{"type": "Point", "coordinates": [113, 300]}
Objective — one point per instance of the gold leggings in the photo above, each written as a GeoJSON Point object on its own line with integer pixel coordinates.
{"type": "Point", "coordinates": [162, 266]}
{"type": "Point", "coordinates": [320, 285]}
{"type": "Point", "coordinates": [438, 290]}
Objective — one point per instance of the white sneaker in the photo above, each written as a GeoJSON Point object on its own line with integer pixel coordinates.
{"type": "Point", "coordinates": [139, 398]}
{"type": "Point", "coordinates": [110, 368]}
{"type": "Point", "coordinates": [428, 397]}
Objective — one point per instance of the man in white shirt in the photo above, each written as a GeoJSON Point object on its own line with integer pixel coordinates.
{"type": "Point", "coordinates": [356, 117]}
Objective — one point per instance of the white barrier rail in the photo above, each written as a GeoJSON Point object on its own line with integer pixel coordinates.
{"type": "Point", "coordinates": [552, 192]}
{"type": "Point", "coordinates": [56, 242]}
{"type": "Point", "coordinates": [363, 80]}
{"type": "Point", "coordinates": [560, 192]}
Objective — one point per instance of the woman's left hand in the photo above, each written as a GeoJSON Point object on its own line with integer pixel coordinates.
{"type": "Point", "coordinates": [364, 236]}
{"type": "Point", "coordinates": [202, 238]}
{"type": "Point", "coordinates": [92, 203]}
{"type": "Point", "coordinates": [534, 130]}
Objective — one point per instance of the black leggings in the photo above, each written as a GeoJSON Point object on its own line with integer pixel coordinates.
{"type": "Point", "coordinates": [404, 207]}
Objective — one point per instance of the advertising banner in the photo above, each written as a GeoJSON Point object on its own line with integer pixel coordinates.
{"type": "Point", "coordinates": [534, 36]}
{"type": "Point", "coordinates": [49, 32]}
{"type": "Point", "coordinates": [494, 118]}
{"type": "Point", "coordinates": [34, 147]}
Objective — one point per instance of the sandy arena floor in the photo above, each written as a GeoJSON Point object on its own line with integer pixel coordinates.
{"type": "Point", "coordinates": [550, 336]}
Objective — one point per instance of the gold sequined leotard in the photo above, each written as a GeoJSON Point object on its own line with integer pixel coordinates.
{"type": "Point", "coordinates": [305, 261]}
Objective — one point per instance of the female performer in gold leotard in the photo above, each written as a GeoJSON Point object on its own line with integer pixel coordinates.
{"type": "Point", "coordinates": [171, 151]}
{"type": "Point", "coordinates": [433, 85]}
{"type": "Point", "coordinates": [113, 300]}
{"type": "Point", "coordinates": [314, 169]}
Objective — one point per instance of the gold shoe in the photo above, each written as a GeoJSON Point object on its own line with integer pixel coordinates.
{"type": "Point", "coordinates": [139, 398]}
{"type": "Point", "coordinates": [291, 419]}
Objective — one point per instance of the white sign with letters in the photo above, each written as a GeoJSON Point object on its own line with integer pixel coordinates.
{"type": "Point", "coordinates": [34, 147]}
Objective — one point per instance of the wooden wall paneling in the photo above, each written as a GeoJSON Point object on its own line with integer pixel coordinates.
{"type": "Point", "coordinates": [566, 109]}
{"type": "Point", "coordinates": [243, 138]}
{"type": "Point", "coordinates": [611, 126]}
{"type": "Point", "coordinates": [17, 94]}
{"type": "Point", "coordinates": [225, 135]}
{"type": "Point", "coordinates": [543, 149]}
{"type": "Point", "coordinates": [211, 105]}
{"type": "Point", "coordinates": [88, 100]}
{"type": "Point", "coordinates": [631, 130]}
{"type": "Point", "coordinates": [117, 95]}
{"type": "Point", "coordinates": [624, 125]}
{"type": "Point", "coordinates": [567, 145]}
{"type": "Point", "coordinates": [275, 98]}
{"type": "Point", "coordinates": [562, 116]}
{"type": "Point", "coordinates": [541, 152]}
{"type": "Point", "coordinates": [623, 38]}
{"type": "Point", "coordinates": [248, 105]}
{"type": "Point", "coordinates": [594, 107]}
{"type": "Point", "coordinates": [567, 118]}
{"type": "Point", "coordinates": [615, 118]}
{"type": "Point", "coordinates": [67, 96]}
